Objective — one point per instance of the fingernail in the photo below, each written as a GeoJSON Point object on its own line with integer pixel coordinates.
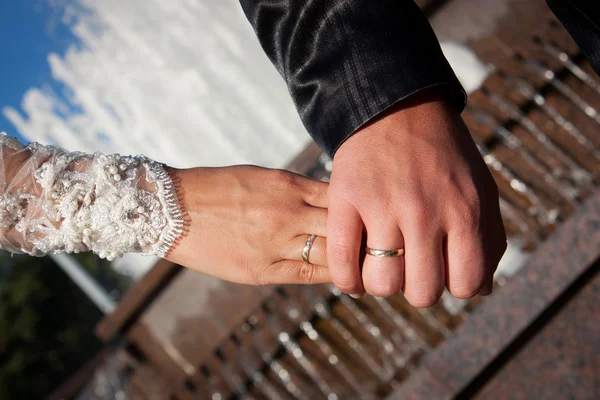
{"type": "Point", "coordinates": [356, 296]}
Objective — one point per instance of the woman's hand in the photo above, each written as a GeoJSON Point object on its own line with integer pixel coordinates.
{"type": "Point", "coordinates": [249, 225]}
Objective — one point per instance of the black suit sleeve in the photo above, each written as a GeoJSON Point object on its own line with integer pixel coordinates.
{"type": "Point", "coordinates": [582, 20]}
{"type": "Point", "coordinates": [346, 61]}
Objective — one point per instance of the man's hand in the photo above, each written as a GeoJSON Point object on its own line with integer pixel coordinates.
{"type": "Point", "coordinates": [414, 179]}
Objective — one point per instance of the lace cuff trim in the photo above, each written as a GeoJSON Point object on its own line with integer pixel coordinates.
{"type": "Point", "coordinates": [53, 201]}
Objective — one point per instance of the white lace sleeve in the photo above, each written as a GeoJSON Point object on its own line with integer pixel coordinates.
{"type": "Point", "coordinates": [53, 201]}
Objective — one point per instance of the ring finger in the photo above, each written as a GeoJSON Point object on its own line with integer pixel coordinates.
{"type": "Point", "coordinates": [316, 255]}
{"type": "Point", "coordinates": [383, 276]}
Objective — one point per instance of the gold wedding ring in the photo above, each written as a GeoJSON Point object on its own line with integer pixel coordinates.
{"type": "Point", "coordinates": [384, 253]}
{"type": "Point", "coordinates": [307, 246]}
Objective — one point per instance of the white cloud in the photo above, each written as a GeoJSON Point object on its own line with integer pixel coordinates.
{"type": "Point", "coordinates": [181, 81]}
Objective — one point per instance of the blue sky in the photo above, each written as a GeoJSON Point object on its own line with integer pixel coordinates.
{"type": "Point", "coordinates": [29, 30]}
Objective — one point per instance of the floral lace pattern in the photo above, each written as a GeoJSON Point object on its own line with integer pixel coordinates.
{"type": "Point", "coordinates": [12, 210]}
{"type": "Point", "coordinates": [72, 202]}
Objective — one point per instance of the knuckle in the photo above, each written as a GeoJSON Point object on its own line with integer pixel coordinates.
{"type": "Point", "coordinates": [424, 300]}
{"type": "Point", "coordinates": [467, 288]}
{"type": "Point", "coordinates": [465, 292]}
{"type": "Point", "coordinates": [425, 297]}
{"type": "Point", "coordinates": [306, 273]}
{"type": "Point", "coordinates": [466, 282]}
{"type": "Point", "coordinates": [347, 285]}
{"type": "Point", "coordinates": [384, 290]}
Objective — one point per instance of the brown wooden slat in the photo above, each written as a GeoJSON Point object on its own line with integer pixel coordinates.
{"type": "Point", "coordinates": [136, 299]}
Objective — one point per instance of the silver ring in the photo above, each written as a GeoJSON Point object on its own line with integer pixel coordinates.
{"type": "Point", "coordinates": [307, 246]}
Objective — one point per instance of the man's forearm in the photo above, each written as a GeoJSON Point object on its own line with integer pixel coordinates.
{"type": "Point", "coordinates": [346, 61]}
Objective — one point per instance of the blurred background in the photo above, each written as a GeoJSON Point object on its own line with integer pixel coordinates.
{"type": "Point", "coordinates": [185, 82]}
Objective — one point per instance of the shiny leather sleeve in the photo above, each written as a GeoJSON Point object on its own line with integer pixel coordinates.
{"type": "Point", "coordinates": [582, 20]}
{"type": "Point", "coordinates": [346, 61]}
